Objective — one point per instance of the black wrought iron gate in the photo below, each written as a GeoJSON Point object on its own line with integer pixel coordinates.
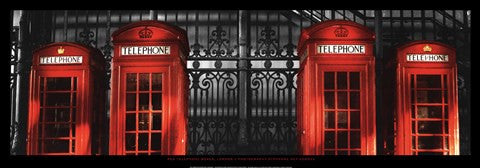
{"type": "Point", "coordinates": [242, 65]}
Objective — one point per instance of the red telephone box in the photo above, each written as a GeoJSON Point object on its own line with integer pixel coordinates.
{"type": "Point", "coordinates": [336, 89]}
{"type": "Point", "coordinates": [427, 109]}
{"type": "Point", "coordinates": [66, 100]}
{"type": "Point", "coordinates": [149, 90]}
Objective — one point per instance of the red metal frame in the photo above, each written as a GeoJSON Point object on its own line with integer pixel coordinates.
{"type": "Point", "coordinates": [86, 73]}
{"type": "Point", "coordinates": [173, 92]}
{"type": "Point", "coordinates": [447, 73]}
{"type": "Point", "coordinates": [311, 92]}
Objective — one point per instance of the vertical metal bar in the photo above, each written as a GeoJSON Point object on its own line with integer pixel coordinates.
{"type": "Point", "coordinates": [65, 25]}
{"type": "Point", "coordinates": [243, 38]}
{"type": "Point", "coordinates": [379, 70]}
{"type": "Point", "coordinates": [153, 15]}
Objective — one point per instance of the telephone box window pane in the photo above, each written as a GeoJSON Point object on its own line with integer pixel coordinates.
{"type": "Point", "coordinates": [341, 80]}
{"type": "Point", "coordinates": [74, 99]}
{"type": "Point", "coordinates": [429, 96]}
{"type": "Point", "coordinates": [143, 121]}
{"type": "Point", "coordinates": [143, 141]}
{"type": "Point", "coordinates": [131, 101]}
{"type": "Point", "coordinates": [157, 121]}
{"type": "Point", "coordinates": [130, 123]}
{"type": "Point", "coordinates": [74, 110]}
{"type": "Point", "coordinates": [41, 84]}
{"type": "Point", "coordinates": [144, 81]}
{"type": "Point", "coordinates": [329, 80]}
{"type": "Point", "coordinates": [130, 141]}
{"type": "Point", "coordinates": [445, 112]}
{"type": "Point", "coordinates": [354, 152]}
{"type": "Point", "coordinates": [58, 84]}
{"type": "Point", "coordinates": [58, 99]}
{"type": "Point", "coordinates": [445, 130]}
{"type": "Point", "coordinates": [131, 82]}
{"type": "Point", "coordinates": [329, 152]}
{"type": "Point", "coordinates": [354, 80]}
{"type": "Point", "coordinates": [342, 120]}
{"type": "Point", "coordinates": [430, 127]}
{"type": "Point", "coordinates": [56, 146]}
{"type": "Point", "coordinates": [57, 115]}
{"type": "Point", "coordinates": [342, 100]}
{"type": "Point", "coordinates": [57, 130]}
{"type": "Point", "coordinates": [430, 153]}
{"type": "Point", "coordinates": [413, 127]}
{"type": "Point", "coordinates": [429, 111]}
{"type": "Point", "coordinates": [156, 141]}
{"type": "Point", "coordinates": [354, 120]}
{"type": "Point", "coordinates": [342, 139]}
{"type": "Point", "coordinates": [342, 152]}
{"type": "Point", "coordinates": [430, 142]}
{"type": "Point", "coordinates": [429, 81]}
{"type": "Point", "coordinates": [143, 102]}
{"type": "Point", "coordinates": [355, 139]}
{"type": "Point", "coordinates": [157, 101]}
{"type": "Point", "coordinates": [157, 81]}
{"type": "Point", "coordinates": [446, 142]}
{"type": "Point", "coordinates": [330, 120]}
{"type": "Point", "coordinates": [445, 96]}
{"type": "Point", "coordinates": [329, 139]}
{"type": "Point", "coordinates": [75, 83]}
{"type": "Point", "coordinates": [414, 143]}
{"type": "Point", "coordinates": [329, 100]}
{"type": "Point", "coordinates": [413, 111]}
{"type": "Point", "coordinates": [354, 100]}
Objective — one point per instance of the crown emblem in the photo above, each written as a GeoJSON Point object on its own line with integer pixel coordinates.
{"type": "Point", "coordinates": [427, 48]}
{"type": "Point", "coordinates": [341, 32]}
{"type": "Point", "coordinates": [145, 33]}
{"type": "Point", "coordinates": [60, 50]}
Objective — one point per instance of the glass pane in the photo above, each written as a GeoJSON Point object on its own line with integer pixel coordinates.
{"type": "Point", "coordinates": [341, 80]}
{"type": "Point", "coordinates": [57, 130]}
{"type": "Point", "coordinates": [445, 96]}
{"type": "Point", "coordinates": [342, 152]}
{"type": "Point", "coordinates": [354, 80]}
{"type": "Point", "coordinates": [342, 120]}
{"type": "Point", "coordinates": [412, 80]}
{"type": "Point", "coordinates": [445, 112]}
{"type": "Point", "coordinates": [74, 99]}
{"type": "Point", "coordinates": [413, 127]}
{"type": "Point", "coordinates": [429, 96]}
{"type": "Point", "coordinates": [156, 141]}
{"type": "Point", "coordinates": [429, 111]}
{"type": "Point", "coordinates": [74, 83]}
{"type": "Point", "coordinates": [430, 142]}
{"type": "Point", "coordinates": [330, 119]}
{"type": "Point", "coordinates": [130, 141]}
{"type": "Point", "coordinates": [41, 83]}
{"type": "Point", "coordinates": [414, 142]}
{"type": "Point", "coordinates": [429, 81]}
{"type": "Point", "coordinates": [58, 99]}
{"type": "Point", "coordinates": [354, 119]}
{"type": "Point", "coordinates": [131, 81]}
{"type": "Point", "coordinates": [131, 101]}
{"type": "Point", "coordinates": [430, 127]}
{"type": "Point", "coordinates": [143, 102]}
{"type": "Point", "coordinates": [354, 100]}
{"type": "Point", "coordinates": [74, 114]}
{"type": "Point", "coordinates": [342, 139]}
{"type": "Point", "coordinates": [329, 80]}
{"type": "Point", "coordinates": [144, 81]}
{"type": "Point", "coordinates": [143, 121]}
{"type": "Point", "coordinates": [73, 145]}
{"type": "Point", "coordinates": [58, 83]}
{"type": "Point", "coordinates": [354, 152]}
{"type": "Point", "coordinates": [355, 139]}
{"type": "Point", "coordinates": [157, 101]}
{"type": "Point", "coordinates": [157, 81]}
{"type": "Point", "coordinates": [57, 115]}
{"type": "Point", "coordinates": [430, 153]}
{"type": "Point", "coordinates": [56, 146]}
{"type": "Point", "coordinates": [413, 111]}
{"type": "Point", "coordinates": [329, 139]}
{"type": "Point", "coordinates": [329, 152]}
{"type": "Point", "coordinates": [143, 141]}
{"type": "Point", "coordinates": [130, 124]}
{"type": "Point", "coordinates": [446, 142]}
{"type": "Point", "coordinates": [329, 100]}
{"type": "Point", "coordinates": [342, 100]}
{"type": "Point", "coordinates": [157, 121]}
{"type": "Point", "coordinates": [445, 129]}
